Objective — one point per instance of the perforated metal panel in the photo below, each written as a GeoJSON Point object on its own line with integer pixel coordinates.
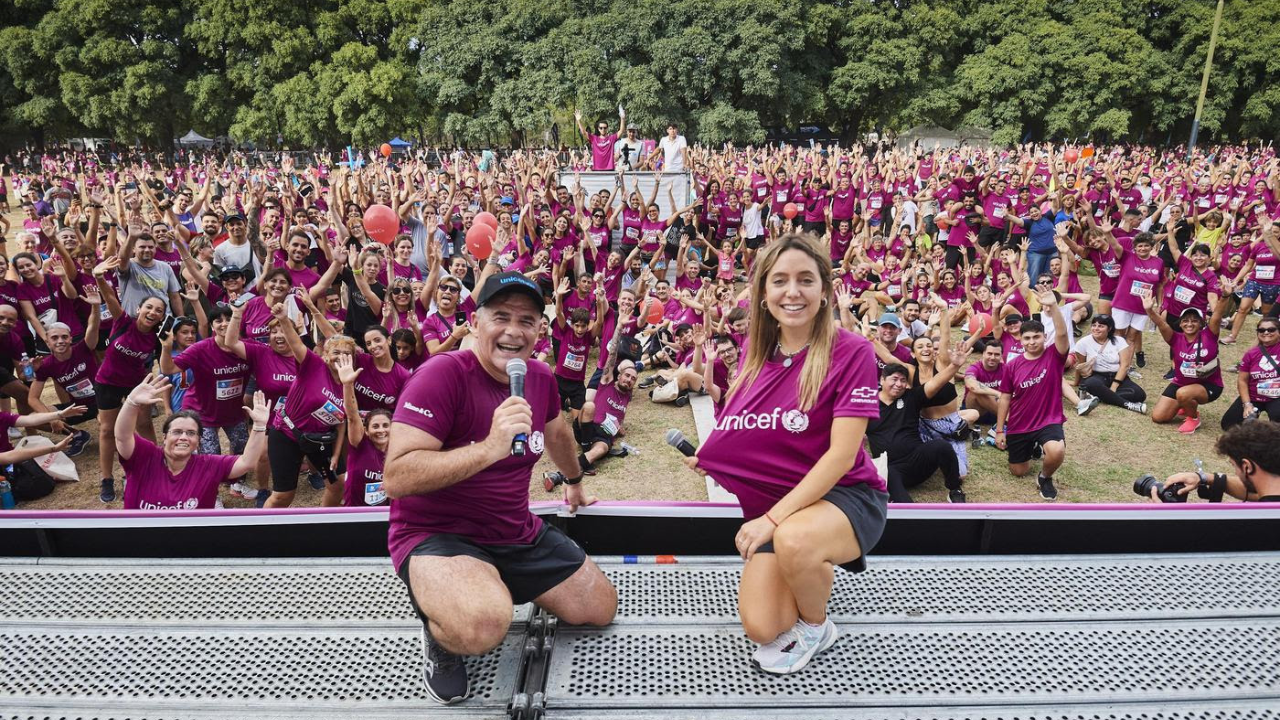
{"type": "Point", "coordinates": [937, 665]}
{"type": "Point", "coordinates": [945, 589]}
{"type": "Point", "coordinates": [1222, 711]}
{"type": "Point", "coordinates": [272, 671]}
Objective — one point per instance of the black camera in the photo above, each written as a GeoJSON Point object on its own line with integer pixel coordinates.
{"type": "Point", "coordinates": [1167, 494]}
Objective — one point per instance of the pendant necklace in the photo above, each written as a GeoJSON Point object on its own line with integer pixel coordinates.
{"type": "Point", "coordinates": [787, 359]}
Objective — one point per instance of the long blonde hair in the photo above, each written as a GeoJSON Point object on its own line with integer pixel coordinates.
{"type": "Point", "coordinates": [763, 331]}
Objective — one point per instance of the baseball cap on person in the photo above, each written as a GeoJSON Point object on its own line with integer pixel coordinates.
{"type": "Point", "coordinates": [890, 319]}
{"type": "Point", "coordinates": [632, 126]}
{"type": "Point", "coordinates": [1012, 318]}
{"type": "Point", "coordinates": [508, 282]}
{"type": "Point", "coordinates": [232, 216]}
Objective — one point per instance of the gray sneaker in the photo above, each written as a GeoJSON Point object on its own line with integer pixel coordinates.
{"type": "Point", "coordinates": [443, 672]}
{"type": "Point", "coordinates": [793, 649]}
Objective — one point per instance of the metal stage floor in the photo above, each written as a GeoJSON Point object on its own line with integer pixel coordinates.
{"type": "Point", "coordinates": [1168, 637]}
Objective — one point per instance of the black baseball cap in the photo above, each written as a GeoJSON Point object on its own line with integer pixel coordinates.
{"type": "Point", "coordinates": [509, 282]}
{"type": "Point", "coordinates": [232, 216]}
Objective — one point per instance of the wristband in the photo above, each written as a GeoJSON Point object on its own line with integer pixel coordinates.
{"type": "Point", "coordinates": [573, 480]}
{"type": "Point", "coordinates": [259, 428]}
{"type": "Point", "coordinates": [770, 519]}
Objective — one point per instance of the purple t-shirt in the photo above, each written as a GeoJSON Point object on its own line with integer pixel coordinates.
{"type": "Point", "coordinates": [149, 484]}
{"type": "Point", "coordinates": [1262, 374]}
{"type": "Point", "coordinates": [602, 151]}
{"type": "Point", "coordinates": [75, 374]}
{"type": "Point", "coordinates": [763, 444]}
{"type": "Point", "coordinates": [1265, 264]}
{"type": "Point", "coordinates": [985, 377]}
{"type": "Point", "coordinates": [364, 475]}
{"type": "Point", "coordinates": [275, 373]}
{"type": "Point", "coordinates": [217, 392]}
{"type": "Point", "coordinates": [47, 297]}
{"type": "Point", "coordinates": [1190, 288]}
{"type": "Point", "coordinates": [453, 399]}
{"type": "Point", "coordinates": [1138, 279]}
{"type": "Point", "coordinates": [314, 402]}
{"type": "Point", "coordinates": [1036, 390]}
{"type": "Point", "coordinates": [1195, 362]}
{"type": "Point", "coordinates": [571, 362]}
{"type": "Point", "coordinates": [376, 389]}
{"type": "Point", "coordinates": [611, 408]}
{"type": "Point", "coordinates": [129, 355]}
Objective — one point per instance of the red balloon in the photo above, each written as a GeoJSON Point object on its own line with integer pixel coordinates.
{"type": "Point", "coordinates": [789, 211]}
{"type": "Point", "coordinates": [480, 240]}
{"type": "Point", "coordinates": [654, 312]}
{"type": "Point", "coordinates": [981, 325]}
{"type": "Point", "coordinates": [381, 223]}
{"type": "Point", "coordinates": [385, 149]}
{"type": "Point", "coordinates": [1071, 155]}
{"type": "Point", "coordinates": [487, 218]}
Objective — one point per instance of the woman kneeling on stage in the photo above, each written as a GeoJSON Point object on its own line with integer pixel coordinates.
{"type": "Point", "coordinates": [804, 393]}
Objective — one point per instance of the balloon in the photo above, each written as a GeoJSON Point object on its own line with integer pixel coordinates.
{"type": "Point", "coordinates": [480, 240]}
{"type": "Point", "coordinates": [654, 312]}
{"type": "Point", "coordinates": [381, 223]}
{"type": "Point", "coordinates": [789, 211]}
{"type": "Point", "coordinates": [1088, 152]}
{"type": "Point", "coordinates": [487, 218]}
{"type": "Point", "coordinates": [981, 325]}
{"type": "Point", "coordinates": [1071, 155]}
{"type": "Point", "coordinates": [385, 149]}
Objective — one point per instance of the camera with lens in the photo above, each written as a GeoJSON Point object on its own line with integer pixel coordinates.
{"type": "Point", "coordinates": [1167, 493]}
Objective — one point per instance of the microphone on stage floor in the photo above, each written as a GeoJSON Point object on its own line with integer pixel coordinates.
{"type": "Point", "coordinates": [516, 370]}
{"type": "Point", "coordinates": [675, 439]}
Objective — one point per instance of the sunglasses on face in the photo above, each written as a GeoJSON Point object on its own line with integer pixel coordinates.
{"type": "Point", "coordinates": [446, 289]}
{"type": "Point", "coordinates": [402, 291]}
{"type": "Point", "coordinates": [1267, 330]}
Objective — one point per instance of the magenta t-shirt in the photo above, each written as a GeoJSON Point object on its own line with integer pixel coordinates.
{"type": "Point", "coordinates": [217, 392]}
{"type": "Point", "coordinates": [129, 355]}
{"type": "Point", "coordinates": [453, 399]}
{"type": "Point", "coordinates": [274, 373]}
{"type": "Point", "coordinates": [571, 362]}
{"type": "Point", "coordinates": [1036, 390]}
{"type": "Point", "coordinates": [376, 389]}
{"type": "Point", "coordinates": [149, 484]}
{"type": "Point", "coordinates": [48, 297]}
{"type": "Point", "coordinates": [75, 374]}
{"type": "Point", "coordinates": [763, 444]}
{"type": "Point", "coordinates": [1195, 362]}
{"type": "Point", "coordinates": [364, 475]}
{"type": "Point", "coordinates": [1138, 279]}
{"type": "Point", "coordinates": [1190, 288]}
{"type": "Point", "coordinates": [611, 408]}
{"type": "Point", "coordinates": [1265, 263]}
{"type": "Point", "coordinates": [1262, 374]}
{"type": "Point", "coordinates": [314, 402]}
{"type": "Point", "coordinates": [985, 377]}
{"type": "Point", "coordinates": [602, 151]}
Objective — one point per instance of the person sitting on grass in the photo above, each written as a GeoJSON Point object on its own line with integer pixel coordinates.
{"type": "Point", "coordinates": [607, 410]}
{"type": "Point", "coordinates": [1197, 374]}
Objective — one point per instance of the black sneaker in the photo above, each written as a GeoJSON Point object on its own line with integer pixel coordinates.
{"type": "Point", "coordinates": [263, 496]}
{"type": "Point", "coordinates": [316, 480]}
{"type": "Point", "coordinates": [443, 673]}
{"type": "Point", "coordinates": [647, 382]}
{"type": "Point", "coordinates": [1037, 451]}
{"type": "Point", "coordinates": [78, 441]}
{"type": "Point", "coordinates": [955, 496]}
{"type": "Point", "coordinates": [1169, 375]}
{"type": "Point", "coordinates": [681, 401]}
{"type": "Point", "coordinates": [1142, 359]}
{"type": "Point", "coordinates": [1047, 490]}
{"type": "Point", "coordinates": [108, 492]}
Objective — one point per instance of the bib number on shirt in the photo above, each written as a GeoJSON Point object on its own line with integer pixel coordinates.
{"type": "Point", "coordinates": [1111, 269]}
{"type": "Point", "coordinates": [573, 361]}
{"type": "Point", "coordinates": [230, 389]}
{"type": "Point", "coordinates": [998, 212]}
{"type": "Point", "coordinates": [1184, 295]}
{"type": "Point", "coordinates": [1269, 388]}
{"type": "Point", "coordinates": [610, 424]}
{"type": "Point", "coordinates": [633, 232]}
{"type": "Point", "coordinates": [81, 389]}
{"type": "Point", "coordinates": [373, 494]}
{"type": "Point", "coordinates": [876, 202]}
{"type": "Point", "coordinates": [1140, 289]}
{"type": "Point", "coordinates": [329, 413]}
{"type": "Point", "coordinates": [781, 196]}
{"type": "Point", "coordinates": [1264, 272]}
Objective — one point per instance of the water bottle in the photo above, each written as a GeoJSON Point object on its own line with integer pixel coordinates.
{"type": "Point", "coordinates": [631, 449]}
{"type": "Point", "coordinates": [6, 496]}
{"type": "Point", "coordinates": [28, 372]}
{"type": "Point", "coordinates": [1199, 467]}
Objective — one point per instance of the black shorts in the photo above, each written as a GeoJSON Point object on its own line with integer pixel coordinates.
{"type": "Point", "coordinates": [1106, 296]}
{"type": "Point", "coordinates": [110, 397]}
{"type": "Point", "coordinates": [755, 243]}
{"type": "Point", "coordinates": [90, 412]}
{"type": "Point", "coordinates": [6, 375]}
{"type": "Point", "coordinates": [866, 508]}
{"type": "Point", "coordinates": [528, 571]}
{"type": "Point", "coordinates": [989, 236]}
{"type": "Point", "coordinates": [593, 433]}
{"type": "Point", "coordinates": [573, 394]}
{"type": "Point", "coordinates": [1214, 391]}
{"type": "Point", "coordinates": [1020, 444]}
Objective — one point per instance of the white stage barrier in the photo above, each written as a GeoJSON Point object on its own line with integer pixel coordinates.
{"type": "Point", "coordinates": [680, 184]}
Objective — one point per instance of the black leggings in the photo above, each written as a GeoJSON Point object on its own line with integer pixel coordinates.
{"type": "Point", "coordinates": [914, 469]}
{"type": "Point", "coordinates": [955, 252]}
{"type": "Point", "coordinates": [285, 455]}
{"type": "Point", "coordinates": [1099, 385]}
{"type": "Point", "coordinates": [1235, 414]}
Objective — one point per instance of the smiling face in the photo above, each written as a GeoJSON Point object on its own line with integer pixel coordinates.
{"type": "Point", "coordinates": [377, 344]}
{"type": "Point", "coordinates": [151, 313]}
{"type": "Point", "coordinates": [181, 439]}
{"type": "Point", "coordinates": [506, 327]}
{"type": "Point", "coordinates": [793, 290]}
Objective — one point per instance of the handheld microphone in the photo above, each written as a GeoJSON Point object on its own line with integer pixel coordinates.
{"type": "Point", "coordinates": [675, 439]}
{"type": "Point", "coordinates": [516, 370]}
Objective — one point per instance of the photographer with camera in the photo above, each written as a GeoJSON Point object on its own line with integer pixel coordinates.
{"type": "Point", "coordinates": [1253, 448]}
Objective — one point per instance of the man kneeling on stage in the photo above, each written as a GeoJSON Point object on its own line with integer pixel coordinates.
{"type": "Point", "coordinates": [462, 537]}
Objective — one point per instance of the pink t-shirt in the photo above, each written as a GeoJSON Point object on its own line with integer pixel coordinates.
{"type": "Point", "coordinates": [602, 151]}
{"type": "Point", "coordinates": [1036, 389]}
{"type": "Point", "coordinates": [129, 355]}
{"type": "Point", "coordinates": [611, 408]}
{"type": "Point", "coordinates": [453, 399]}
{"type": "Point", "coordinates": [763, 444]}
{"type": "Point", "coordinates": [364, 475]}
{"type": "Point", "coordinates": [217, 393]}
{"type": "Point", "coordinates": [150, 485]}
{"type": "Point", "coordinates": [571, 361]}
{"type": "Point", "coordinates": [1262, 374]}
{"type": "Point", "coordinates": [985, 377]}
{"type": "Point", "coordinates": [75, 374]}
{"type": "Point", "coordinates": [1195, 362]}
{"type": "Point", "coordinates": [314, 402]}
{"type": "Point", "coordinates": [376, 389]}
{"type": "Point", "coordinates": [274, 373]}
{"type": "Point", "coordinates": [1190, 288]}
{"type": "Point", "coordinates": [1265, 264]}
{"type": "Point", "coordinates": [1138, 279]}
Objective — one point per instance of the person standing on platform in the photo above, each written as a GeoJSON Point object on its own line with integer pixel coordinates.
{"type": "Point", "coordinates": [789, 443]}
{"type": "Point", "coordinates": [602, 142]}
{"type": "Point", "coordinates": [462, 538]}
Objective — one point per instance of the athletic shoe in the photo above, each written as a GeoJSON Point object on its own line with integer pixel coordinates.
{"type": "Point", "coordinates": [261, 501]}
{"type": "Point", "coordinates": [793, 649]}
{"type": "Point", "coordinates": [647, 382]}
{"type": "Point", "coordinates": [955, 496]}
{"type": "Point", "coordinates": [108, 492]}
{"type": "Point", "coordinates": [1037, 451]}
{"type": "Point", "coordinates": [618, 451]}
{"type": "Point", "coordinates": [1134, 374]}
{"type": "Point", "coordinates": [551, 479]}
{"type": "Point", "coordinates": [1084, 407]}
{"type": "Point", "coordinates": [1189, 425]}
{"type": "Point", "coordinates": [1142, 359]}
{"type": "Point", "coordinates": [1138, 407]}
{"type": "Point", "coordinates": [443, 673]}
{"type": "Point", "coordinates": [1167, 376]}
{"type": "Point", "coordinates": [316, 480]}
{"type": "Point", "coordinates": [1182, 413]}
{"type": "Point", "coordinates": [244, 491]}
{"type": "Point", "coordinates": [78, 441]}
{"type": "Point", "coordinates": [681, 401]}
{"type": "Point", "coordinates": [1047, 490]}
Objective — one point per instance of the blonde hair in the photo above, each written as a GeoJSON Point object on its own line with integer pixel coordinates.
{"type": "Point", "coordinates": [763, 332]}
{"type": "Point", "coordinates": [339, 342]}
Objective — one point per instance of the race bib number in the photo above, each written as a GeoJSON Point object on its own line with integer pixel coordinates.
{"type": "Point", "coordinates": [104, 313]}
{"type": "Point", "coordinates": [610, 424]}
{"type": "Point", "coordinates": [1189, 369]}
{"type": "Point", "coordinates": [1184, 295]}
{"type": "Point", "coordinates": [781, 196]}
{"type": "Point", "coordinates": [230, 389]}
{"type": "Point", "coordinates": [731, 232]}
{"type": "Point", "coordinates": [1140, 289]}
{"type": "Point", "coordinates": [633, 232]}
{"type": "Point", "coordinates": [726, 264]}
{"type": "Point", "coordinates": [876, 202]}
{"type": "Point", "coordinates": [373, 494]}
{"type": "Point", "coordinates": [1269, 388]}
{"type": "Point", "coordinates": [895, 290]}
{"type": "Point", "coordinates": [1264, 272]}
{"type": "Point", "coordinates": [81, 389]}
{"type": "Point", "coordinates": [997, 212]}
{"type": "Point", "coordinates": [1220, 199]}
{"type": "Point", "coordinates": [329, 413]}
{"type": "Point", "coordinates": [573, 361]}
{"type": "Point", "coordinates": [1111, 269]}
{"type": "Point", "coordinates": [1203, 202]}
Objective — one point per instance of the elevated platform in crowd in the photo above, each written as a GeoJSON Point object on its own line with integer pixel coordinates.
{"type": "Point", "coordinates": [1174, 636]}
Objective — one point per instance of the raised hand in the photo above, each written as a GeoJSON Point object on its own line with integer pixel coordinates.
{"type": "Point", "coordinates": [261, 411]}
{"type": "Point", "coordinates": [347, 371]}
{"type": "Point", "coordinates": [150, 391]}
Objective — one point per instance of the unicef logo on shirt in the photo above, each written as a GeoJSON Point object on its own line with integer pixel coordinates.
{"type": "Point", "coordinates": [536, 443]}
{"type": "Point", "coordinates": [795, 421]}
{"type": "Point", "coordinates": [190, 504]}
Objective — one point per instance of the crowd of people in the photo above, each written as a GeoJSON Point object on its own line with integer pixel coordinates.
{"type": "Point", "coordinates": [242, 304]}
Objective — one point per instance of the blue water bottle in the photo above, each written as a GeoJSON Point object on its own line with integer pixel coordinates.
{"type": "Point", "coordinates": [6, 496]}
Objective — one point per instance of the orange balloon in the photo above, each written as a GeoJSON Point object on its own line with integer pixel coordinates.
{"type": "Point", "coordinates": [654, 312]}
{"type": "Point", "coordinates": [480, 240]}
{"type": "Point", "coordinates": [981, 325]}
{"type": "Point", "coordinates": [790, 210]}
{"type": "Point", "coordinates": [381, 223]}
{"type": "Point", "coordinates": [487, 218]}
{"type": "Point", "coordinates": [386, 150]}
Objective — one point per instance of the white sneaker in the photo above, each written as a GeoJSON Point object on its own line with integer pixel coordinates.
{"type": "Point", "coordinates": [793, 649]}
{"type": "Point", "coordinates": [1140, 408]}
{"type": "Point", "coordinates": [244, 491]}
{"type": "Point", "coordinates": [1085, 406]}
